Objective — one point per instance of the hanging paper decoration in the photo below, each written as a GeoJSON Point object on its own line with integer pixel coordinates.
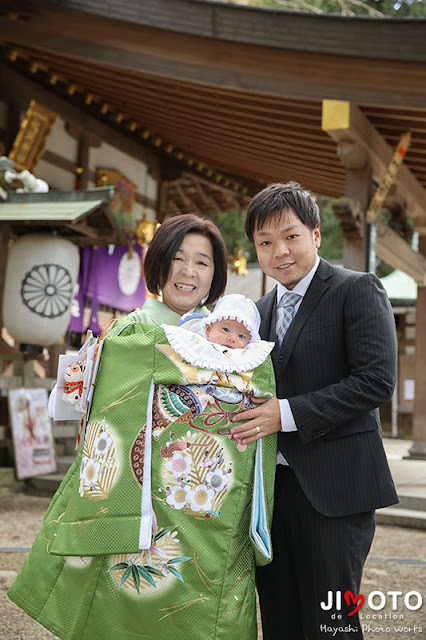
{"type": "Point", "coordinates": [39, 287]}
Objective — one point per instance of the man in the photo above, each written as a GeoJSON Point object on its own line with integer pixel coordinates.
{"type": "Point", "coordinates": [335, 364]}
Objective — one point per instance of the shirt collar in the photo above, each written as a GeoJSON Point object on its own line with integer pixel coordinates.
{"type": "Point", "coordinates": [302, 286]}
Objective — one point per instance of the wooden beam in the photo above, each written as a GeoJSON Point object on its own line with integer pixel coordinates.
{"type": "Point", "coordinates": [302, 70]}
{"type": "Point", "coordinates": [67, 165]}
{"type": "Point", "coordinates": [175, 208]}
{"type": "Point", "coordinates": [218, 187]}
{"type": "Point", "coordinates": [23, 88]}
{"type": "Point", "coordinates": [234, 202]}
{"type": "Point", "coordinates": [391, 248]}
{"type": "Point", "coordinates": [162, 200]}
{"type": "Point", "coordinates": [84, 229]}
{"type": "Point", "coordinates": [189, 202]}
{"type": "Point", "coordinates": [345, 123]}
{"type": "Point", "coordinates": [203, 195]}
{"type": "Point", "coordinates": [419, 415]}
{"type": "Point", "coordinates": [181, 193]}
{"type": "Point", "coordinates": [211, 200]}
{"type": "Point", "coordinates": [13, 122]}
{"type": "Point", "coordinates": [358, 190]}
{"type": "Point", "coordinates": [421, 225]}
{"type": "Point", "coordinates": [320, 33]}
{"type": "Point", "coordinates": [83, 152]}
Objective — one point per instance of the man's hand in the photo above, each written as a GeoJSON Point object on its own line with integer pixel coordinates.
{"type": "Point", "coordinates": [261, 421]}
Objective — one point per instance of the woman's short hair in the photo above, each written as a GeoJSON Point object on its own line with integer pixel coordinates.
{"type": "Point", "coordinates": [168, 239]}
{"type": "Point", "coordinates": [278, 197]}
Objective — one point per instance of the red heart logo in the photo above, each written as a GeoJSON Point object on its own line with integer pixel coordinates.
{"type": "Point", "coordinates": [350, 596]}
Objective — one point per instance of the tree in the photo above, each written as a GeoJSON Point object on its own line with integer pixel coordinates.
{"type": "Point", "coordinates": [232, 226]}
{"type": "Point", "coordinates": [374, 8]}
{"type": "Point", "coordinates": [331, 234]}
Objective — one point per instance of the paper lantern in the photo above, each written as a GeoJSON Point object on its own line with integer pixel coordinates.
{"type": "Point", "coordinates": [39, 287]}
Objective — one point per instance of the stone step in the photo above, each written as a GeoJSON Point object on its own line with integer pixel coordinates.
{"type": "Point", "coordinates": [411, 501]}
{"type": "Point", "coordinates": [51, 481]}
{"type": "Point", "coordinates": [7, 476]}
{"type": "Point", "coordinates": [401, 517]}
{"type": "Point", "coordinates": [48, 482]}
{"type": "Point", "coordinates": [64, 463]}
{"type": "Point", "coordinates": [67, 429]}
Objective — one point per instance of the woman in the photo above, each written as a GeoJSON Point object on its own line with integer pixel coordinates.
{"type": "Point", "coordinates": [187, 263]}
{"type": "Point", "coordinates": [160, 550]}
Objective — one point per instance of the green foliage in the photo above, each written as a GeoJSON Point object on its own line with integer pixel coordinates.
{"type": "Point", "coordinates": [383, 269]}
{"type": "Point", "coordinates": [376, 8]}
{"type": "Point", "coordinates": [401, 8]}
{"type": "Point", "coordinates": [232, 226]}
{"type": "Point", "coordinates": [331, 234]}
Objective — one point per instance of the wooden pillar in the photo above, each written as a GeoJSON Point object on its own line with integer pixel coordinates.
{"type": "Point", "coordinates": [83, 162]}
{"type": "Point", "coordinates": [86, 139]}
{"type": "Point", "coordinates": [162, 199]}
{"type": "Point", "coordinates": [345, 124]}
{"type": "Point", "coordinates": [358, 189]}
{"type": "Point", "coordinates": [418, 450]}
{"type": "Point", "coordinates": [13, 123]}
{"type": "Point", "coordinates": [4, 241]}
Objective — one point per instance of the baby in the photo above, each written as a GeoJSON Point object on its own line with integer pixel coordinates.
{"type": "Point", "coordinates": [233, 323]}
{"type": "Point", "coordinates": [227, 340]}
{"type": "Point", "coordinates": [229, 333]}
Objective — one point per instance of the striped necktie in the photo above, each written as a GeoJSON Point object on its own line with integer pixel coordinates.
{"type": "Point", "coordinates": [288, 302]}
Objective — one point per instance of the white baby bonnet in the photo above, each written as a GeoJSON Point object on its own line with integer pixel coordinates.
{"type": "Point", "coordinates": [235, 306]}
{"type": "Point", "coordinates": [199, 352]}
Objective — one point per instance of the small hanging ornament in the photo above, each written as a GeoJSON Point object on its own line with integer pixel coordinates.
{"type": "Point", "coordinates": [239, 262]}
{"type": "Point", "coordinates": [145, 230]}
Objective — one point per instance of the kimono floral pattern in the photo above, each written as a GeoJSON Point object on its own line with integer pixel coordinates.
{"type": "Point", "coordinates": [151, 569]}
{"type": "Point", "coordinates": [99, 463]}
{"type": "Point", "coordinates": [196, 478]}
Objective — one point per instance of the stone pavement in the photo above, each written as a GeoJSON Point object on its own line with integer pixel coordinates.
{"type": "Point", "coordinates": [396, 563]}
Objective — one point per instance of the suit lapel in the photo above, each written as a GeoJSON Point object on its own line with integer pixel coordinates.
{"type": "Point", "coordinates": [267, 309]}
{"type": "Point", "coordinates": [313, 295]}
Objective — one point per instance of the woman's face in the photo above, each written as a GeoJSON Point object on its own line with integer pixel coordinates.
{"type": "Point", "coordinates": [191, 274]}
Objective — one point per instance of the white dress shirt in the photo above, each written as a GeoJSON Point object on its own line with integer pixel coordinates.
{"type": "Point", "coordinates": [287, 419]}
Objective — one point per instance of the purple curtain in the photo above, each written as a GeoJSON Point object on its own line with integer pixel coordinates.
{"type": "Point", "coordinates": [110, 276]}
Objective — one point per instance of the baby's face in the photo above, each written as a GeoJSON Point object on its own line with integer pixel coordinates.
{"type": "Point", "coordinates": [229, 333]}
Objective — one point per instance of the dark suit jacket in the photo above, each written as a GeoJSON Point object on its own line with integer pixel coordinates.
{"type": "Point", "coordinates": [336, 366]}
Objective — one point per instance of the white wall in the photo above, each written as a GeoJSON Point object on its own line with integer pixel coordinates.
{"type": "Point", "coordinates": [55, 177]}
{"type": "Point", "coordinates": [61, 143]}
{"type": "Point", "coordinates": [103, 157]}
{"type": "Point", "coordinates": [108, 157]}
{"type": "Point", "coordinates": [65, 146]}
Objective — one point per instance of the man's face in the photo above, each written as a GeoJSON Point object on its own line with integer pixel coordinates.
{"type": "Point", "coordinates": [286, 248]}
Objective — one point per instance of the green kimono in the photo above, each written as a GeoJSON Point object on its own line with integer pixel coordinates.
{"type": "Point", "coordinates": [148, 537]}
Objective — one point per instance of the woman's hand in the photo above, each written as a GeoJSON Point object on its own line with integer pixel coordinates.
{"type": "Point", "coordinates": [261, 421]}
